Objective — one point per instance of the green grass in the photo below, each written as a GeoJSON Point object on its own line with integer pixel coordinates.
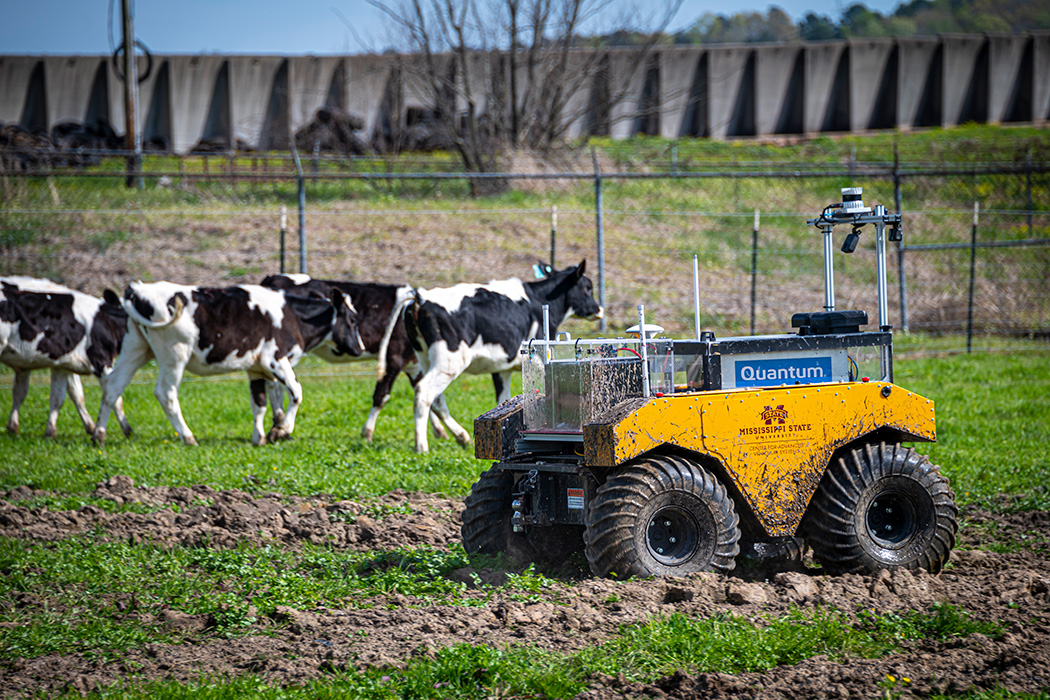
{"type": "Point", "coordinates": [326, 454]}
{"type": "Point", "coordinates": [993, 422]}
{"type": "Point", "coordinates": [85, 594]}
{"type": "Point", "coordinates": [993, 417]}
{"type": "Point", "coordinates": [641, 653]}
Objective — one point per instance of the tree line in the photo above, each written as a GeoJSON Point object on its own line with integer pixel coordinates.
{"type": "Point", "coordinates": [914, 18]}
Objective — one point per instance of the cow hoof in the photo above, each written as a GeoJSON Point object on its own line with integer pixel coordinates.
{"type": "Point", "coordinates": [190, 440]}
{"type": "Point", "coordinates": [99, 437]}
{"type": "Point", "coordinates": [51, 433]}
{"type": "Point", "coordinates": [12, 428]}
{"type": "Point", "coordinates": [277, 434]}
{"type": "Point", "coordinates": [126, 430]}
{"type": "Point", "coordinates": [366, 434]}
{"type": "Point", "coordinates": [464, 440]}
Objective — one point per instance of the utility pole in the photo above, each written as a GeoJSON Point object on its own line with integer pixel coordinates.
{"type": "Point", "coordinates": [132, 139]}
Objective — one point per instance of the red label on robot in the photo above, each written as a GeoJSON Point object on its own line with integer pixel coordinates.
{"type": "Point", "coordinates": [575, 497]}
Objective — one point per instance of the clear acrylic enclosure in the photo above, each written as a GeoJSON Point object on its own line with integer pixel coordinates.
{"type": "Point", "coordinates": [569, 383]}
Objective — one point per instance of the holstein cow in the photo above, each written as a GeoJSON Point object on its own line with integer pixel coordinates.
{"type": "Point", "coordinates": [44, 325]}
{"type": "Point", "coordinates": [375, 304]}
{"type": "Point", "coordinates": [210, 330]}
{"type": "Point", "coordinates": [478, 328]}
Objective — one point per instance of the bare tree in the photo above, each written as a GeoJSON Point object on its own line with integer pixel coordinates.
{"type": "Point", "coordinates": [517, 74]}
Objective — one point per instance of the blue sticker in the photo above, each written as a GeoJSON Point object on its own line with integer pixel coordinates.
{"type": "Point", "coordinates": [808, 370]}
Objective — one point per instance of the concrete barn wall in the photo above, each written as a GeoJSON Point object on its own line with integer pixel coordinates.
{"type": "Point", "coordinates": [188, 102]}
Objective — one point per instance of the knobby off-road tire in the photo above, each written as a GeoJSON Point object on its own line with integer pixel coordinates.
{"type": "Point", "coordinates": [663, 516]}
{"type": "Point", "coordinates": [882, 507]}
{"type": "Point", "coordinates": [487, 529]}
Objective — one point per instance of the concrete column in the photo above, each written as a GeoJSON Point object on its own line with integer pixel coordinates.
{"type": "Point", "coordinates": [726, 67]}
{"type": "Point", "coordinates": [192, 88]}
{"type": "Point", "coordinates": [868, 62]}
{"type": "Point", "coordinates": [677, 68]}
{"type": "Point", "coordinates": [626, 81]}
{"type": "Point", "coordinates": [822, 61]}
{"type": "Point", "coordinates": [1041, 76]}
{"type": "Point", "coordinates": [1005, 52]}
{"type": "Point", "coordinates": [366, 78]}
{"type": "Point", "coordinates": [309, 79]}
{"type": "Point", "coordinates": [15, 72]}
{"type": "Point", "coordinates": [915, 67]}
{"type": "Point", "coordinates": [251, 85]}
{"type": "Point", "coordinates": [960, 62]}
{"type": "Point", "coordinates": [773, 69]}
{"type": "Point", "coordinates": [69, 81]}
{"type": "Point", "coordinates": [581, 81]}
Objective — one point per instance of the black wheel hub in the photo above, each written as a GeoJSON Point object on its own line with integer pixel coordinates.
{"type": "Point", "coordinates": [891, 519]}
{"type": "Point", "coordinates": [672, 536]}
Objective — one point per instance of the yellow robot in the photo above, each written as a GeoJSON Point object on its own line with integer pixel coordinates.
{"type": "Point", "coordinates": [661, 457]}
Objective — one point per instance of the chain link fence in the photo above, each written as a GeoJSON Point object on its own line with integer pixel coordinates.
{"type": "Point", "coordinates": [234, 218]}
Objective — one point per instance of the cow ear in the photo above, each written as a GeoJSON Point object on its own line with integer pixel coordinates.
{"type": "Point", "coordinates": [110, 297]}
{"type": "Point", "coordinates": [581, 268]}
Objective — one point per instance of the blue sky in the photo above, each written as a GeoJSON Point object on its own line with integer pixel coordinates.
{"type": "Point", "coordinates": [263, 26]}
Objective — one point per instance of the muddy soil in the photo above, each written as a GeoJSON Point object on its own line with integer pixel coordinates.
{"type": "Point", "coordinates": [999, 571]}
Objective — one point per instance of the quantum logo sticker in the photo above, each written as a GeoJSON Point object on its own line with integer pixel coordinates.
{"type": "Point", "coordinates": [802, 370]}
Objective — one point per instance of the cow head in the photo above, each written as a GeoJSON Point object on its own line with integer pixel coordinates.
{"type": "Point", "coordinates": [578, 292]}
{"type": "Point", "coordinates": [112, 306]}
{"type": "Point", "coordinates": [345, 333]}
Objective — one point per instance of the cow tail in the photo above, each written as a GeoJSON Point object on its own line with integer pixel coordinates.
{"type": "Point", "coordinates": [134, 315]}
{"type": "Point", "coordinates": [405, 296]}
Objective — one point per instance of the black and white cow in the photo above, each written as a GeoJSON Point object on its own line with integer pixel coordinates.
{"type": "Point", "coordinates": [211, 330]}
{"type": "Point", "coordinates": [478, 328]}
{"type": "Point", "coordinates": [375, 305]}
{"type": "Point", "coordinates": [44, 325]}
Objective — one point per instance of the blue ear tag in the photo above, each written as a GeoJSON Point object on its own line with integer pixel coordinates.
{"type": "Point", "coordinates": [538, 272]}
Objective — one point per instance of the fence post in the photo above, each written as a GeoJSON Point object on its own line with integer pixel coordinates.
{"type": "Point", "coordinates": [901, 281]}
{"type": "Point", "coordinates": [601, 236]}
{"type": "Point", "coordinates": [302, 211]}
{"type": "Point", "coordinates": [973, 268]}
{"type": "Point", "coordinates": [284, 230]}
{"type": "Point", "coordinates": [1028, 187]}
{"type": "Point", "coordinates": [754, 269]}
{"type": "Point", "coordinates": [554, 233]}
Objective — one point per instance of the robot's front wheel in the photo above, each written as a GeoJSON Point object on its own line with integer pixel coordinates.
{"type": "Point", "coordinates": [882, 506]}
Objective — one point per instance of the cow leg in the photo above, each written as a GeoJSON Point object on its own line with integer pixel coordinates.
{"type": "Point", "coordinates": [259, 390]}
{"type": "Point", "coordinates": [380, 395]}
{"type": "Point", "coordinates": [285, 374]}
{"type": "Point", "coordinates": [439, 414]}
{"type": "Point", "coordinates": [167, 393]}
{"type": "Point", "coordinates": [59, 382]}
{"type": "Point", "coordinates": [276, 393]}
{"type": "Point", "coordinates": [501, 381]}
{"type": "Point", "coordinates": [435, 423]}
{"type": "Point", "coordinates": [18, 394]}
{"type": "Point", "coordinates": [429, 393]}
{"type": "Point", "coordinates": [76, 394]}
{"type": "Point", "coordinates": [134, 352]}
{"type": "Point", "coordinates": [118, 408]}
